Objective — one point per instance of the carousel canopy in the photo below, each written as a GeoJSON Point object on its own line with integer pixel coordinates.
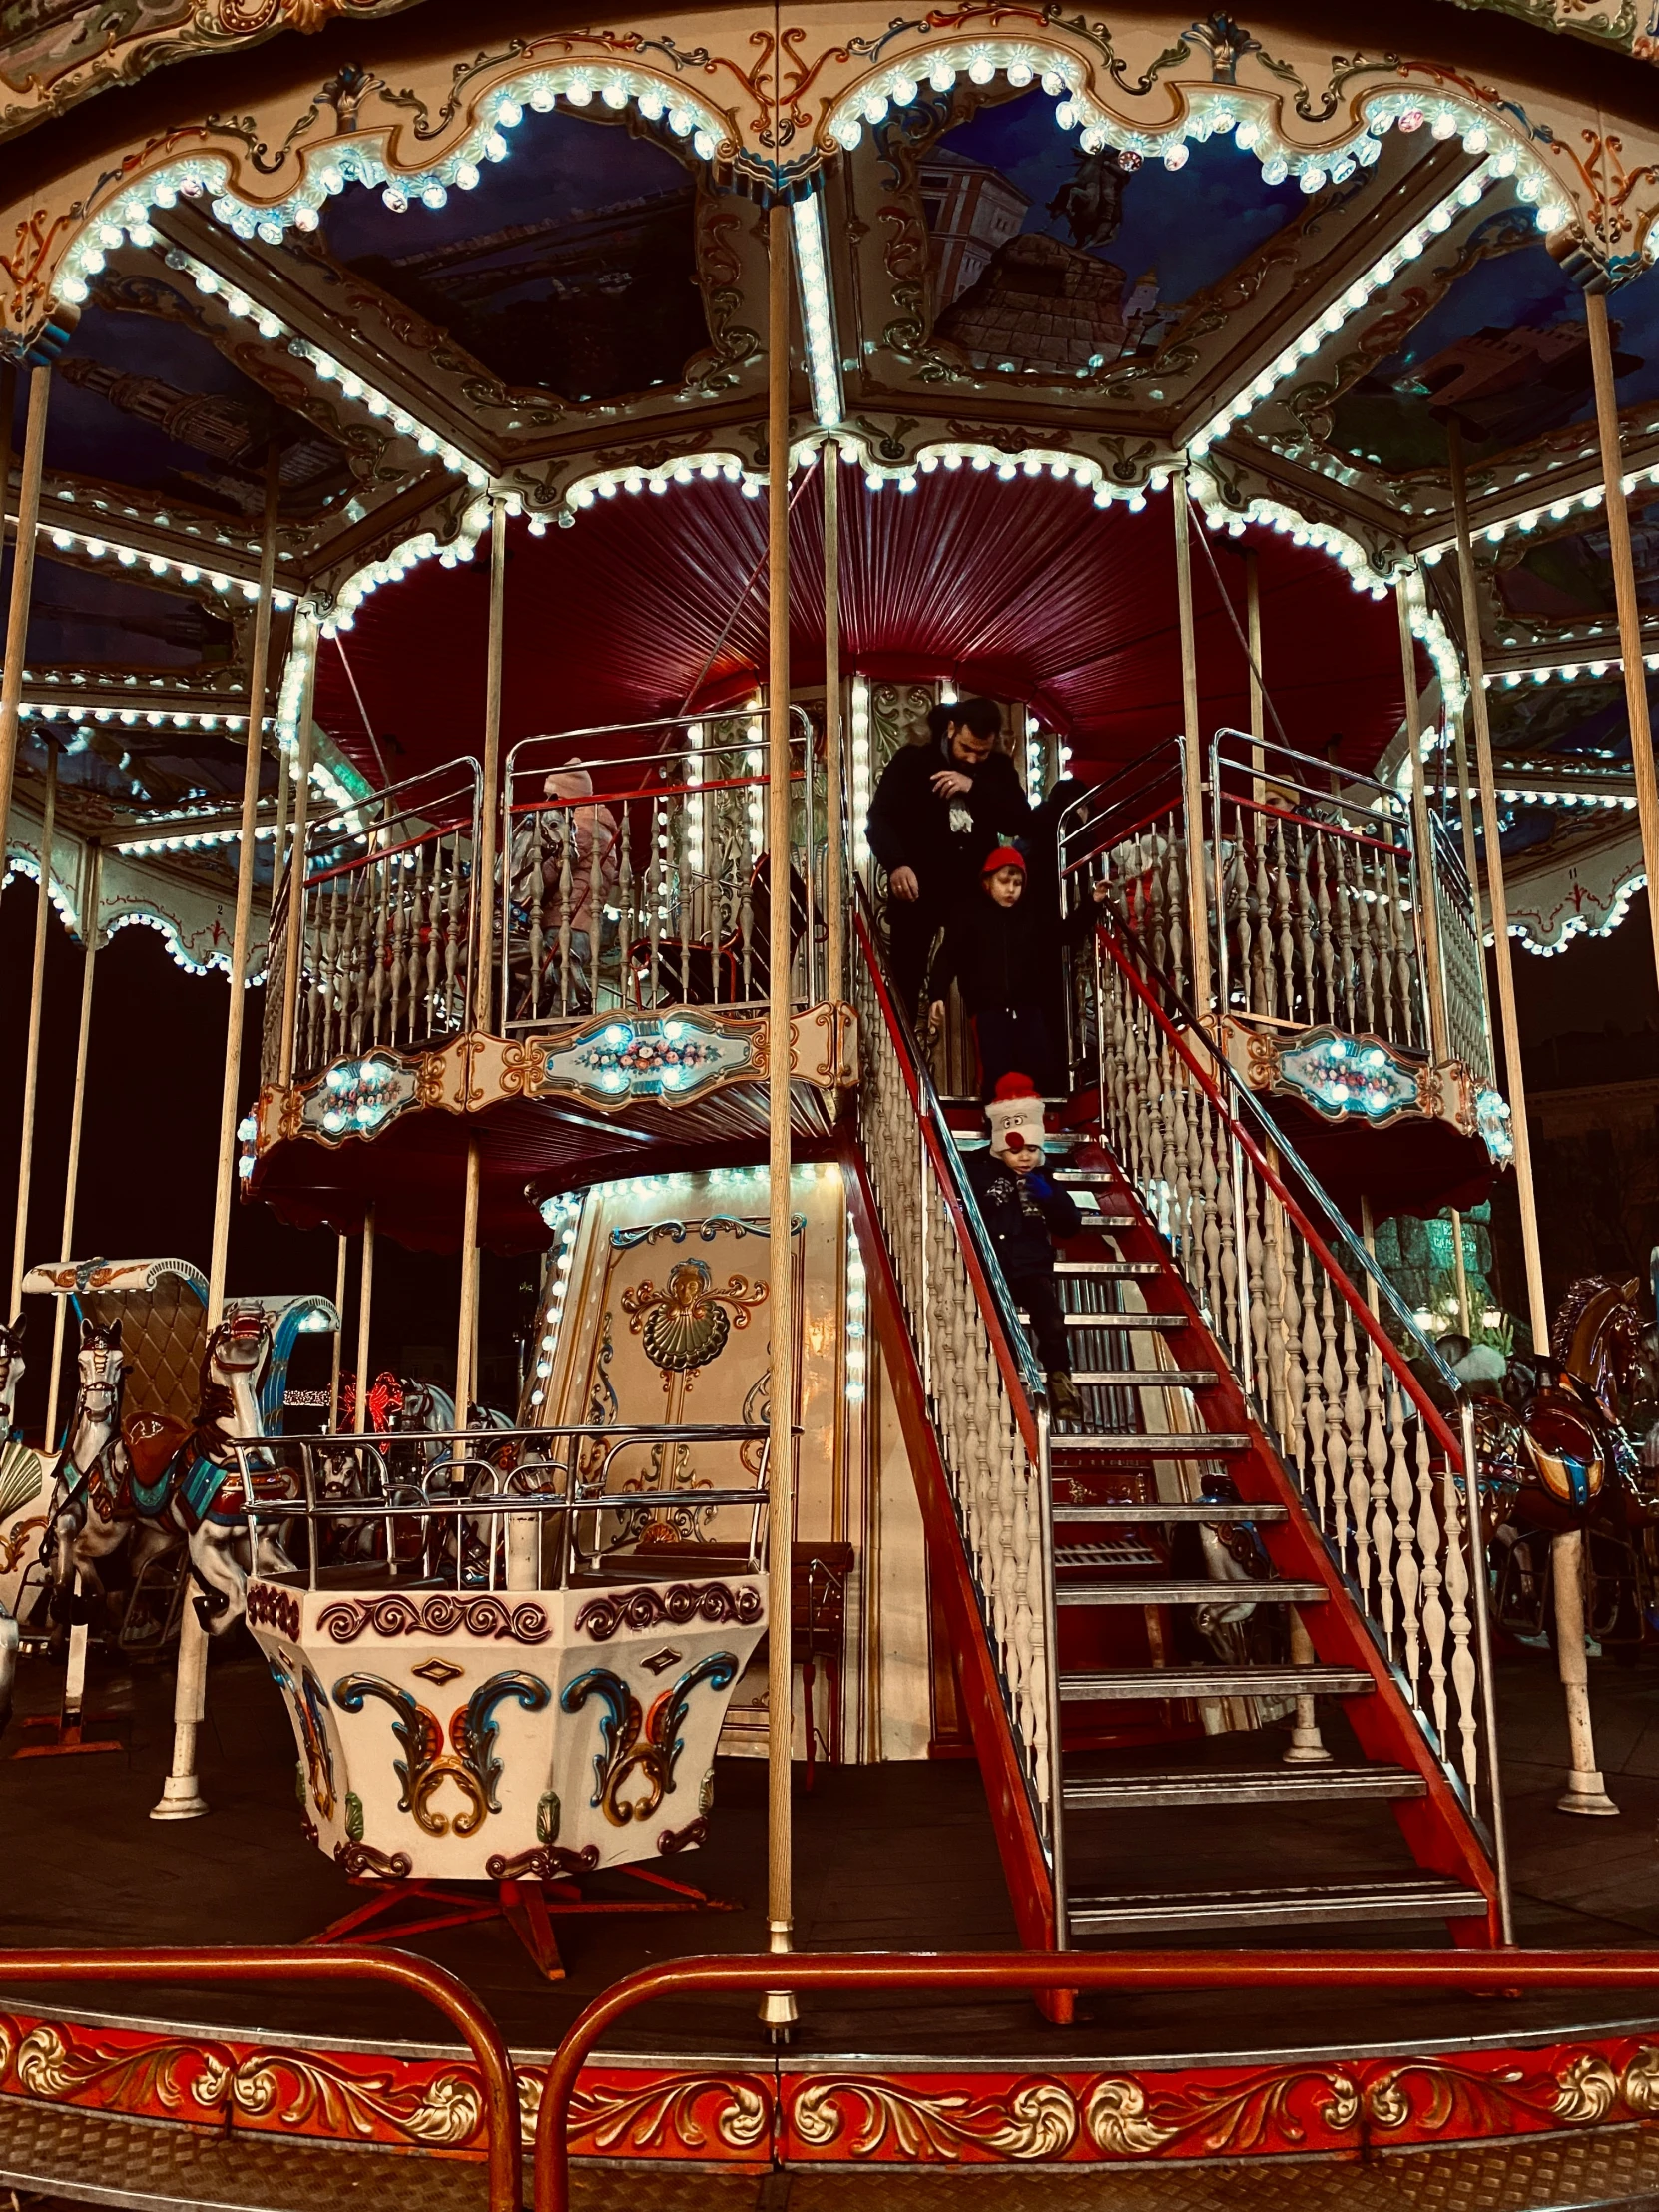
{"type": "Point", "coordinates": [1020, 307]}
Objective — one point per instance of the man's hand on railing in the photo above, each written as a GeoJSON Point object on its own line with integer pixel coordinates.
{"type": "Point", "coordinates": [935, 1018]}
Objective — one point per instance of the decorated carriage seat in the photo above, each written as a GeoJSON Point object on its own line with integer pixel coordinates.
{"type": "Point", "coordinates": [161, 1308]}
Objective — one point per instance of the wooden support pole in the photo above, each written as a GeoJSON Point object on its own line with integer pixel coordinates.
{"type": "Point", "coordinates": [344, 1246]}
{"type": "Point", "coordinates": [23, 577]}
{"type": "Point", "coordinates": [31, 1049]}
{"type": "Point", "coordinates": [1192, 762]}
{"type": "Point", "coordinates": [777, 2007]}
{"type": "Point", "coordinates": [360, 1420]}
{"type": "Point", "coordinates": [294, 951]}
{"type": "Point", "coordinates": [77, 1122]}
{"type": "Point", "coordinates": [181, 1798]}
{"type": "Point", "coordinates": [836, 808]}
{"type": "Point", "coordinates": [1586, 1791]}
{"type": "Point", "coordinates": [1423, 835]}
{"type": "Point", "coordinates": [1624, 596]}
{"type": "Point", "coordinates": [483, 978]}
{"type": "Point", "coordinates": [467, 1333]}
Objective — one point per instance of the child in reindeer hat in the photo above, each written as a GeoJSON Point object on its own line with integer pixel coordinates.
{"type": "Point", "coordinates": [1025, 1210]}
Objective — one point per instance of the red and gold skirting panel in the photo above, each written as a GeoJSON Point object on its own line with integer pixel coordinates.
{"type": "Point", "coordinates": [733, 2112]}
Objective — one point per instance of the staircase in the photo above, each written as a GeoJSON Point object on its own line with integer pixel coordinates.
{"type": "Point", "coordinates": [1243, 1588]}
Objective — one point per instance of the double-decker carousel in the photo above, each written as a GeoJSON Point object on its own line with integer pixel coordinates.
{"type": "Point", "coordinates": [487, 505]}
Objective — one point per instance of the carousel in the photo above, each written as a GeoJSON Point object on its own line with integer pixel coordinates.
{"type": "Point", "coordinates": [493, 511]}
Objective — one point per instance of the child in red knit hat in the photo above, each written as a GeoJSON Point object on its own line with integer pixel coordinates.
{"type": "Point", "coordinates": [998, 951]}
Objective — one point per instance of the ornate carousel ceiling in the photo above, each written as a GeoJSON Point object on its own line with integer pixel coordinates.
{"type": "Point", "coordinates": [1036, 272]}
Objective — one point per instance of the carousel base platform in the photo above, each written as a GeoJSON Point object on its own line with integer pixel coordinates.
{"type": "Point", "coordinates": [275, 2098]}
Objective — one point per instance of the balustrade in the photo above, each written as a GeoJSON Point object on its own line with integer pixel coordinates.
{"type": "Point", "coordinates": [1314, 895]}
{"type": "Point", "coordinates": [985, 1394]}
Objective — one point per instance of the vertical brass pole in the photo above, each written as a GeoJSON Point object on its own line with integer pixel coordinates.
{"type": "Point", "coordinates": [366, 1311]}
{"type": "Point", "coordinates": [1586, 1791]}
{"type": "Point", "coordinates": [1427, 885]}
{"type": "Point", "coordinates": [778, 2008]}
{"type": "Point", "coordinates": [181, 1798]}
{"type": "Point", "coordinates": [342, 1244]}
{"type": "Point", "coordinates": [279, 831]}
{"type": "Point", "coordinates": [23, 577]}
{"type": "Point", "coordinates": [468, 1332]}
{"type": "Point", "coordinates": [1191, 763]}
{"type": "Point", "coordinates": [483, 996]}
{"type": "Point", "coordinates": [296, 945]}
{"type": "Point", "coordinates": [834, 798]}
{"type": "Point", "coordinates": [1624, 593]}
{"type": "Point", "coordinates": [77, 1118]}
{"type": "Point", "coordinates": [31, 1050]}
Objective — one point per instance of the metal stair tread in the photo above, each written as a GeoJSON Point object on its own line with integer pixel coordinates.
{"type": "Point", "coordinates": [1212, 1679]}
{"type": "Point", "coordinates": [1239, 1785]}
{"type": "Point", "coordinates": [1189, 1592]}
{"type": "Point", "coordinates": [1196, 1443]}
{"type": "Point", "coordinates": [1131, 1511]}
{"type": "Point", "coordinates": [1148, 1379]}
{"type": "Point", "coordinates": [1111, 1268]}
{"type": "Point", "coordinates": [1080, 1320]}
{"type": "Point", "coordinates": [1386, 1897]}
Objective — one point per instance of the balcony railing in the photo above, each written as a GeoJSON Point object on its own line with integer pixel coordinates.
{"type": "Point", "coordinates": [1314, 895]}
{"type": "Point", "coordinates": [632, 873]}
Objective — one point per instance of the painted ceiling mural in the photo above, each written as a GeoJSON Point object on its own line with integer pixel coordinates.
{"type": "Point", "coordinates": [573, 270]}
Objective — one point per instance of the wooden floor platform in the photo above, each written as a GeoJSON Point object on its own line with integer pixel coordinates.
{"type": "Point", "coordinates": [1150, 2100]}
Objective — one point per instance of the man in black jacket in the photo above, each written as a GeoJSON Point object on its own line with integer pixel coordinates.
{"type": "Point", "coordinates": [1025, 1210]}
{"type": "Point", "coordinates": [938, 810]}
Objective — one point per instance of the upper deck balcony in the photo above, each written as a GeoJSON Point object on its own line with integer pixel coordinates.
{"type": "Point", "coordinates": [1325, 930]}
{"type": "Point", "coordinates": [608, 994]}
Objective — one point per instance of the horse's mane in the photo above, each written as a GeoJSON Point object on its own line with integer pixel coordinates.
{"type": "Point", "coordinates": [1578, 1297]}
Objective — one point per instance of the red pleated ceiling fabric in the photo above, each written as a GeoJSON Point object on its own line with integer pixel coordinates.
{"type": "Point", "coordinates": [1023, 589]}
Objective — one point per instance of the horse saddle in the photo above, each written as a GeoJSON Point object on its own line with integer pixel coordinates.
{"type": "Point", "coordinates": [153, 1441]}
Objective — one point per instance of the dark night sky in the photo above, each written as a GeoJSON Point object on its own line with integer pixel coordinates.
{"type": "Point", "coordinates": [147, 1161]}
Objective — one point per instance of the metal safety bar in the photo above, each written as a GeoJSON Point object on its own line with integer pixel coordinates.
{"type": "Point", "coordinates": [497, 2086]}
{"type": "Point", "coordinates": [652, 890]}
{"type": "Point", "coordinates": [387, 924]}
{"type": "Point", "coordinates": [469, 1464]}
{"type": "Point", "coordinates": [1485, 1973]}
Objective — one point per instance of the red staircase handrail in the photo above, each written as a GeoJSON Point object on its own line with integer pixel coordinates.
{"type": "Point", "coordinates": [972, 1256]}
{"type": "Point", "coordinates": [1486, 1973]}
{"type": "Point", "coordinates": [1450, 1443]}
{"type": "Point", "coordinates": [441, 1990]}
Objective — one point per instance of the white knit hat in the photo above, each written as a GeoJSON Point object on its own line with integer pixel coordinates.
{"type": "Point", "coordinates": [1015, 1110]}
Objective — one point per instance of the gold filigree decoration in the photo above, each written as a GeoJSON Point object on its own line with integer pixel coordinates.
{"type": "Point", "coordinates": [1119, 2123]}
{"type": "Point", "coordinates": [1032, 2119]}
{"type": "Point", "coordinates": [294, 2089]}
{"type": "Point", "coordinates": [614, 2116]}
{"type": "Point", "coordinates": [1639, 2083]}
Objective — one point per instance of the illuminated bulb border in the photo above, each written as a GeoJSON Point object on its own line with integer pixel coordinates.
{"type": "Point", "coordinates": [328, 170]}
{"type": "Point", "coordinates": [1212, 112]}
{"type": "Point", "coordinates": [97, 543]}
{"type": "Point", "coordinates": [325, 368]}
{"type": "Point", "coordinates": [817, 311]}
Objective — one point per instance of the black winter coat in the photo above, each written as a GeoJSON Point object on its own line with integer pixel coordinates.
{"type": "Point", "coordinates": [1023, 1213]}
{"type": "Point", "coordinates": [1005, 955]}
{"type": "Point", "coordinates": [910, 826]}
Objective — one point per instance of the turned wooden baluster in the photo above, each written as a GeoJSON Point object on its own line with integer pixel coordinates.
{"type": "Point", "coordinates": [627, 898]}
{"type": "Point", "coordinates": [654, 885]}
{"type": "Point", "coordinates": [455, 934]}
{"type": "Point", "coordinates": [535, 893]}
{"type": "Point", "coordinates": [567, 891]}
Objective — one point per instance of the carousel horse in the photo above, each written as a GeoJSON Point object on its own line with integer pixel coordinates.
{"type": "Point", "coordinates": [89, 1525]}
{"type": "Point", "coordinates": [24, 1472]}
{"type": "Point", "coordinates": [166, 1480]}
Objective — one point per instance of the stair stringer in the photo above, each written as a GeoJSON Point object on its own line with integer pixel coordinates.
{"type": "Point", "coordinates": [1438, 1826]}
{"type": "Point", "coordinates": [1024, 1862]}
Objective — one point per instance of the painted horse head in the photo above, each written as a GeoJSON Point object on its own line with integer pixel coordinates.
{"type": "Point", "coordinates": [101, 1371]}
{"type": "Point", "coordinates": [231, 1365]}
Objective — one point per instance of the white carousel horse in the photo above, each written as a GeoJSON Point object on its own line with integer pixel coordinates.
{"type": "Point", "coordinates": [170, 1480]}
